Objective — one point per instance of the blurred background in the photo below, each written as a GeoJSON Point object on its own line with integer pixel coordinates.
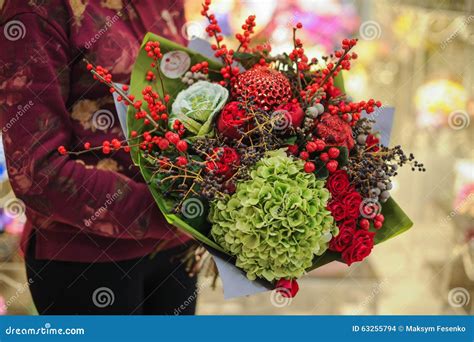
{"type": "Point", "coordinates": [417, 56]}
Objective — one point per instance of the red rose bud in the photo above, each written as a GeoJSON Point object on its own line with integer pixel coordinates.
{"type": "Point", "coordinates": [295, 112]}
{"type": "Point", "coordinates": [309, 167]}
{"type": "Point", "coordinates": [311, 147]}
{"type": "Point", "coordinates": [304, 155]}
{"type": "Point", "coordinates": [292, 149]}
{"type": "Point", "coordinates": [333, 153]}
{"type": "Point", "coordinates": [231, 119]}
{"type": "Point", "coordinates": [332, 165]}
{"type": "Point", "coordinates": [364, 224]}
{"type": "Point", "coordinates": [288, 288]}
{"type": "Point", "coordinates": [324, 157]}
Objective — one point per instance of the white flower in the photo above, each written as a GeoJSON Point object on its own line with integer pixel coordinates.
{"type": "Point", "coordinates": [197, 106]}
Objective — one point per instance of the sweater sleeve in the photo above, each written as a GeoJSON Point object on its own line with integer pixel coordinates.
{"type": "Point", "coordinates": [34, 86]}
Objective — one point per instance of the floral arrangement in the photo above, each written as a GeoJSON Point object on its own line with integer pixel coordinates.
{"type": "Point", "coordinates": [261, 157]}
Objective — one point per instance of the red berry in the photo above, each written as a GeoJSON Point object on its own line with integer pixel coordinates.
{"type": "Point", "coordinates": [304, 155]}
{"type": "Point", "coordinates": [299, 25]}
{"type": "Point", "coordinates": [62, 150]}
{"type": "Point", "coordinates": [379, 218]}
{"type": "Point", "coordinates": [133, 134]}
{"type": "Point", "coordinates": [324, 157]}
{"type": "Point", "coordinates": [182, 145]}
{"type": "Point", "coordinates": [378, 224]}
{"type": "Point", "coordinates": [106, 149]}
{"type": "Point", "coordinates": [163, 144]}
{"type": "Point", "coordinates": [332, 165]}
{"type": "Point", "coordinates": [181, 161]}
{"type": "Point", "coordinates": [309, 167]}
{"type": "Point", "coordinates": [311, 147]}
{"type": "Point", "coordinates": [364, 224]}
{"type": "Point", "coordinates": [320, 144]}
{"type": "Point", "coordinates": [87, 145]}
{"type": "Point", "coordinates": [333, 152]}
{"type": "Point", "coordinates": [172, 137]}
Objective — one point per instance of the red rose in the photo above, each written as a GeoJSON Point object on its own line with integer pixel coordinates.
{"type": "Point", "coordinates": [288, 288]}
{"type": "Point", "coordinates": [335, 131]}
{"type": "Point", "coordinates": [338, 183]}
{"type": "Point", "coordinates": [223, 162]}
{"type": "Point", "coordinates": [295, 113]}
{"type": "Point", "coordinates": [344, 238]}
{"type": "Point", "coordinates": [337, 210]}
{"type": "Point", "coordinates": [362, 244]}
{"type": "Point", "coordinates": [351, 203]}
{"type": "Point", "coordinates": [231, 119]}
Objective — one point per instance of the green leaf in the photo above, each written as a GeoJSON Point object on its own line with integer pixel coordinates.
{"type": "Point", "coordinates": [246, 59]}
{"type": "Point", "coordinates": [343, 158]}
{"type": "Point", "coordinates": [395, 223]}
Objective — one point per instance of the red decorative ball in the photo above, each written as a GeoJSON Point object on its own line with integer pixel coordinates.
{"type": "Point", "coordinates": [268, 87]}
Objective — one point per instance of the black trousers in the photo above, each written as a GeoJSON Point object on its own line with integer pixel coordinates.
{"type": "Point", "coordinates": [157, 285]}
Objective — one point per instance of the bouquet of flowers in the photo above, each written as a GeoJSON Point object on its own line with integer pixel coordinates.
{"type": "Point", "coordinates": [263, 158]}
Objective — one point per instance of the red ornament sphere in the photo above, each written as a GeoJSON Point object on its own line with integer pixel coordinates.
{"type": "Point", "coordinates": [268, 87]}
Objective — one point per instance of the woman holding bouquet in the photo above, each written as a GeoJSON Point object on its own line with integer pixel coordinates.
{"type": "Point", "coordinates": [92, 223]}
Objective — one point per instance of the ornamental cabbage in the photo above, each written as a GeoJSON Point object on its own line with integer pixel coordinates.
{"type": "Point", "coordinates": [276, 221]}
{"type": "Point", "coordinates": [197, 106]}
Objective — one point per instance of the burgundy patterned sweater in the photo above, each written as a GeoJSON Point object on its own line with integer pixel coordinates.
{"type": "Point", "coordinates": [92, 208]}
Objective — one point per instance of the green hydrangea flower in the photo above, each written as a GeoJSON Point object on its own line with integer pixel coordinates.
{"type": "Point", "coordinates": [276, 221]}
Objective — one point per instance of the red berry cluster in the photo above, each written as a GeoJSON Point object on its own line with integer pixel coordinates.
{"type": "Point", "coordinates": [156, 106]}
{"type": "Point", "coordinates": [350, 112]}
{"type": "Point", "coordinates": [214, 30]}
{"type": "Point", "coordinates": [244, 38]}
{"type": "Point", "coordinates": [377, 222]}
{"type": "Point", "coordinates": [297, 55]}
{"type": "Point", "coordinates": [163, 143]}
{"type": "Point", "coordinates": [201, 67]}
{"type": "Point", "coordinates": [153, 50]}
